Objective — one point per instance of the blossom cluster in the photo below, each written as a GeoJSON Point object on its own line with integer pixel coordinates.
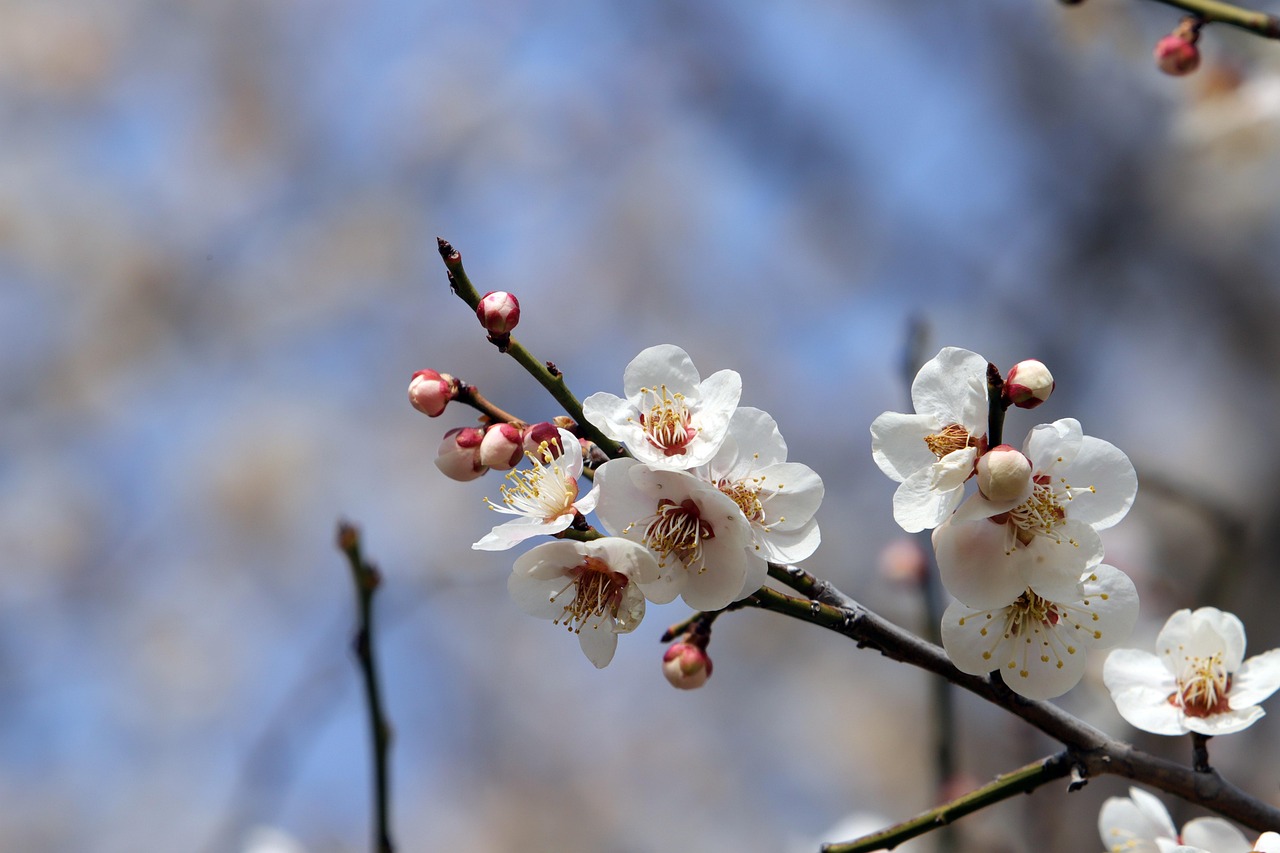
{"type": "Point", "coordinates": [1139, 823]}
{"type": "Point", "coordinates": [1019, 552]}
{"type": "Point", "coordinates": [700, 504]}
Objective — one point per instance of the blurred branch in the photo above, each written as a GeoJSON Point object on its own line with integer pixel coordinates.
{"type": "Point", "coordinates": [1024, 780]}
{"type": "Point", "coordinates": [1212, 11]}
{"type": "Point", "coordinates": [546, 373]}
{"type": "Point", "coordinates": [1094, 753]}
{"type": "Point", "coordinates": [367, 579]}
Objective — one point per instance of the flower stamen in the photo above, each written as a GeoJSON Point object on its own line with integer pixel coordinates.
{"type": "Point", "coordinates": [1203, 686]}
{"type": "Point", "coordinates": [597, 594]}
{"type": "Point", "coordinates": [678, 529]}
{"type": "Point", "coordinates": [949, 439]}
{"type": "Point", "coordinates": [668, 425]}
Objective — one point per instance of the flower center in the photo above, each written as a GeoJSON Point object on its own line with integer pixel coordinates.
{"type": "Point", "coordinates": [1030, 611]}
{"type": "Point", "coordinates": [678, 529]}
{"type": "Point", "coordinates": [667, 426]}
{"type": "Point", "coordinates": [597, 593]}
{"type": "Point", "coordinates": [746, 494]}
{"type": "Point", "coordinates": [1042, 513]}
{"type": "Point", "coordinates": [949, 439]}
{"type": "Point", "coordinates": [542, 491]}
{"type": "Point", "coordinates": [1203, 686]}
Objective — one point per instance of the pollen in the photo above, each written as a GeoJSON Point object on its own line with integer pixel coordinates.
{"type": "Point", "coordinates": [1203, 685]}
{"type": "Point", "coordinates": [541, 491]}
{"type": "Point", "coordinates": [668, 425]}
{"type": "Point", "coordinates": [678, 529]}
{"type": "Point", "coordinates": [593, 592]}
{"type": "Point", "coordinates": [949, 439]}
{"type": "Point", "coordinates": [746, 494]}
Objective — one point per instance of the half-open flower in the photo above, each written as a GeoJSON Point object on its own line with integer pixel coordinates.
{"type": "Point", "coordinates": [698, 533]}
{"type": "Point", "coordinates": [988, 552]}
{"type": "Point", "coordinates": [1038, 640]}
{"type": "Point", "coordinates": [543, 497]}
{"type": "Point", "coordinates": [932, 452]}
{"type": "Point", "coordinates": [1139, 823]}
{"type": "Point", "coordinates": [670, 417]}
{"type": "Point", "coordinates": [592, 588]}
{"type": "Point", "coordinates": [1198, 680]}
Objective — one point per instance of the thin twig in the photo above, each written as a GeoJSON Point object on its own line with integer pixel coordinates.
{"type": "Point", "coordinates": [1024, 780]}
{"type": "Point", "coordinates": [367, 579]}
{"type": "Point", "coordinates": [1258, 23]}
{"type": "Point", "coordinates": [1096, 753]}
{"type": "Point", "coordinates": [548, 377]}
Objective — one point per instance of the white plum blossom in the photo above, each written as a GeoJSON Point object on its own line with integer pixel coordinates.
{"type": "Point", "coordinates": [592, 588]}
{"type": "Point", "coordinates": [670, 417]}
{"type": "Point", "coordinates": [1038, 639]}
{"type": "Point", "coordinates": [1140, 823]}
{"type": "Point", "coordinates": [777, 497]}
{"type": "Point", "coordinates": [1268, 842]}
{"type": "Point", "coordinates": [988, 552]}
{"type": "Point", "coordinates": [1198, 680]}
{"type": "Point", "coordinates": [543, 497]}
{"type": "Point", "coordinates": [932, 453]}
{"type": "Point", "coordinates": [698, 533]}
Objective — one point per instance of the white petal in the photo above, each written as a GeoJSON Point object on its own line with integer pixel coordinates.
{"type": "Point", "coordinates": [898, 446]}
{"type": "Point", "coordinates": [669, 583]}
{"type": "Point", "coordinates": [1216, 834]}
{"type": "Point", "coordinates": [1103, 466]}
{"type": "Point", "coordinates": [951, 384]}
{"type": "Point", "coordinates": [612, 415]}
{"type": "Point", "coordinates": [756, 575]}
{"type": "Point", "coordinates": [517, 530]}
{"type": "Point", "coordinates": [1132, 825]}
{"type": "Point", "coordinates": [1101, 613]}
{"type": "Point", "coordinates": [1256, 679]}
{"type": "Point", "coordinates": [718, 395]}
{"type": "Point", "coordinates": [722, 580]}
{"type": "Point", "coordinates": [1268, 842]}
{"type": "Point", "coordinates": [917, 505]}
{"type": "Point", "coordinates": [664, 364]}
{"type": "Point", "coordinates": [975, 566]}
{"type": "Point", "coordinates": [789, 546]}
{"type": "Point", "coordinates": [620, 502]}
{"type": "Point", "coordinates": [598, 644]}
{"type": "Point", "coordinates": [625, 557]}
{"type": "Point", "coordinates": [1202, 633]}
{"type": "Point", "coordinates": [1050, 445]}
{"type": "Point", "coordinates": [757, 437]}
{"type": "Point", "coordinates": [1140, 685]}
{"type": "Point", "coordinates": [790, 493]}
{"type": "Point", "coordinates": [1227, 722]}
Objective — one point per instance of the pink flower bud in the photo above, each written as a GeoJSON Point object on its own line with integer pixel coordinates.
{"type": "Point", "coordinates": [686, 665]}
{"type": "Point", "coordinates": [499, 312]}
{"type": "Point", "coordinates": [502, 447]}
{"type": "Point", "coordinates": [430, 392]}
{"type": "Point", "coordinates": [1004, 474]}
{"type": "Point", "coordinates": [1176, 54]}
{"type": "Point", "coordinates": [535, 434]}
{"type": "Point", "coordinates": [459, 455]}
{"type": "Point", "coordinates": [903, 561]}
{"type": "Point", "coordinates": [1029, 384]}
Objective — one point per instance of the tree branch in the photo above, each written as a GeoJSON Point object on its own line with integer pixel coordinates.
{"type": "Point", "coordinates": [1095, 752]}
{"type": "Point", "coordinates": [1258, 23]}
{"type": "Point", "coordinates": [367, 579]}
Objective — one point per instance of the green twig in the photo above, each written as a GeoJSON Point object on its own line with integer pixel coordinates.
{"type": "Point", "coordinates": [1021, 781]}
{"type": "Point", "coordinates": [1258, 23]}
{"type": "Point", "coordinates": [367, 579]}
{"type": "Point", "coordinates": [546, 373]}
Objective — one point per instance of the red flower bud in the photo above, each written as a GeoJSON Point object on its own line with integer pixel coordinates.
{"type": "Point", "coordinates": [430, 392]}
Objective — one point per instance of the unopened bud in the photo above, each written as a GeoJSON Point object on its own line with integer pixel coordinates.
{"type": "Point", "coordinates": [1177, 53]}
{"type": "Point", "coordinates": [499, 312]}
{"type": "Point", "coordinates": [1028, 384]}
{"type": "Point", "coordinates": [686, 665]}
{"type": "Point", "coordinates": [502, 447]}
{"type": "Point", "coordinates": [459, 455]}
{"type": "Point", "coordinates": [430, 392]}
{"type": "Point", "coordinates": [1004, 474]}
{"type": "Point", "coordinates": [536, 434]}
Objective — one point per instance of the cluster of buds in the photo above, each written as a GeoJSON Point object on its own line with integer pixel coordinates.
{"type": "Point", "coordinates": [468, 452]}
{"type": "Point", "coordinates": [1176, 54]}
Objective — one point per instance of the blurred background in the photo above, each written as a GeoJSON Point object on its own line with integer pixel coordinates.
{"type": "Point", "coordinates": [218, 271]}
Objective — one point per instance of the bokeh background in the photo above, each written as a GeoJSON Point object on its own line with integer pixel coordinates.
{"type": "Point", "coordinates": [218, 271]}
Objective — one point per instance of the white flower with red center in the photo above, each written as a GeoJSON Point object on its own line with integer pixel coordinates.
{"type": "Point", "coordinates": [1198, 680]}
{"type": "Point", "coordinates": [591, 588]}
{"type": "Point", "coordinates": [698, 533]}
{"type": "Point", "coordinates": [1038, 640]}
{"type": "Point", "coordinates": [778, 498]}
{"type": "Point", "coordinates": [543, 497]}
{"type": "Point", "coordinates": [988, 552]}
{"type": "Point", "coordinates": [670, 417]}
{"type": "Point", "coordinates": [1139, 823]}
{"type": "Point", "coordinates": [932, 452]}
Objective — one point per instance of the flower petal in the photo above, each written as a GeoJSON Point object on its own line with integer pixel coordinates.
{"type": "Point", "coordinates": [1256, 679]}
{"type": "Point", "coordinates": [1227, 722]}
{"type": "Point", "coordinates": [1141, 685]}
{"type": "Point", "coordinates": [519, 529]}
{"type": "Point", "coordinates": [898, 446]}
{"type": "Point", "coordinates": [975, 565]}
{"type": "Point", "coordinates": [1132, 824]}
{"type": "Point", "coordinates": [1216, 834]}
{"type": "Point", "coordinates": [664, 364]}
{"type": "Point", "coordinates": [1103, 483]}
{"type": "Point", "coordinates": [952, 386]}
{"type": "Point", "coordinates": [598, 644]}
{"type": "Point", "coordinates": [917, 505]}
